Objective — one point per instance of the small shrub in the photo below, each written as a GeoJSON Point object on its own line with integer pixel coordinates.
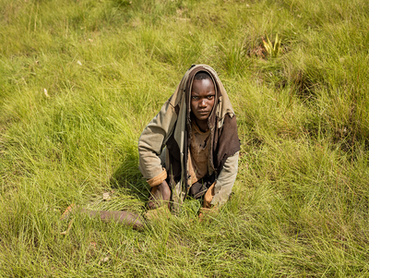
{"type": "Point", "coordinates": [272, 49]}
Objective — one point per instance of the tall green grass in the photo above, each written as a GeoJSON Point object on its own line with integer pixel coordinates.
{"type": "Point", "coordinates": [81, 79]}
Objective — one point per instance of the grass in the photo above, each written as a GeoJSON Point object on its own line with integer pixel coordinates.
{"type": "Point", "coordinates": [81, 79]}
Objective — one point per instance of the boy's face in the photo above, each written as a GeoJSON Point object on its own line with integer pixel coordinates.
{"type": "Point", "coordinates": [202, 99]}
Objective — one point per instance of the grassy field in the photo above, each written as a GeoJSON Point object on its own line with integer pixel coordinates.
{"type": "Point", "coordinates": [80, 79]}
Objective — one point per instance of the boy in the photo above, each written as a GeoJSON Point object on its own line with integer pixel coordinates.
{"type": "Point", "coordinates": [191, 147]}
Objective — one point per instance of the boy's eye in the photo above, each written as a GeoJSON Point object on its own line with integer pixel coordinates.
{"type": "Point", "coordinates": [210, 97]}
{"type": "Point", "coordinates": [195, 97]}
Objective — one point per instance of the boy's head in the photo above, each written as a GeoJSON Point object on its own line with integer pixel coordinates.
{"type": "Point", "coordinates": [202, 97]}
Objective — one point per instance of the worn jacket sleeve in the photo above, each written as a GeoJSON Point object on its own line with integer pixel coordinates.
{"type": "Point", "coordinates": [225, 180]}
{"type": "Point", "coordinates": [151, 143]}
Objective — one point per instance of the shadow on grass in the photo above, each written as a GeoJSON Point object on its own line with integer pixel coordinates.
{"type": "Point", "coordinates": [129, 179]}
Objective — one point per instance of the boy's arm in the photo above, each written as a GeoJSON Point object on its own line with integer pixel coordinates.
{"type": "Point", "coordinates": [225, 180]}
{"type": "Point", "coordinates": [152, 141]}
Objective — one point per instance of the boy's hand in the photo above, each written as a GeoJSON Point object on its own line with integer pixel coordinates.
{"type": "Point", "coordinates": [159, 195]}
{"type": "Point", "coordinates": [206, 213]}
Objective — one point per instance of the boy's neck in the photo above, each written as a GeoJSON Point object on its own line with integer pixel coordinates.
{"type": "Point", "coordinates": [202, 125]}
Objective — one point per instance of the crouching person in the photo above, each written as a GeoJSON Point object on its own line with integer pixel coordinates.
{"type": "Point", "coordinates": [191, 147]}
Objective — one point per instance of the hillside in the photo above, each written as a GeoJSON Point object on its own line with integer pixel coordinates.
{"type": "Point", "coordinates": [80, 79]}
